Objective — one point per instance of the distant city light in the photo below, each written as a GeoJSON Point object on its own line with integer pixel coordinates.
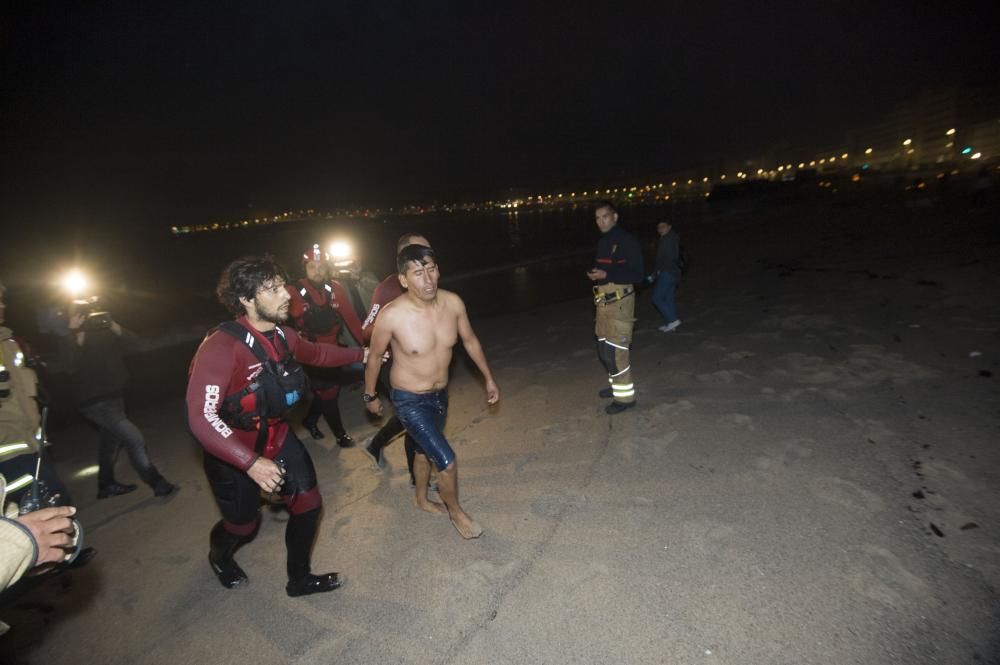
{"type": "Point", "coordinates": [705, 179]}
{"type": "Point", "coordinates": [802, 165]}
{"type": "Point", "coordinates": [907, 141]}
{"type": "Point", "coordinates": [844, 156]}
{"type": "Point", "coordinates": [966, 150]}
{"type": "Point", "coordinates": [812, 163]}
{"type": "Point", "coordinates": [977, 155]}
{"type": "Point", "coordinates": [950, 132]}
{"type": "Point", "coordinates": [868, 151]}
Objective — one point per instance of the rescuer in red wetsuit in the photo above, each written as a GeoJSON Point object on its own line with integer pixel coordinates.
{"type": "Point", "coordinates": [319, 307]}
{"type": "Point", "coordinates": [238, 391]}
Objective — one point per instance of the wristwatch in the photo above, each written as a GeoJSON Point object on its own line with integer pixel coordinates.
{"type": "Point", "coordinates": [369, 398]}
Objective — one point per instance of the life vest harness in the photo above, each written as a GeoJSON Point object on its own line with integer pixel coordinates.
{"type": "Point", "coordinates": [318, 318]}
{"type": "Point", "coordinates": [272, 393]}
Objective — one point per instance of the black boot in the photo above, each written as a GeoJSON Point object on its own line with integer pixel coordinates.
{"type": "Point", "coordinates": [220, 556]}
{"type": "Point", "coordinates": [299, 536]}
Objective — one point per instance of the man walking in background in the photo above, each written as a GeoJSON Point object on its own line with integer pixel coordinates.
{"type": "Point", "coordinates": [668, 276]}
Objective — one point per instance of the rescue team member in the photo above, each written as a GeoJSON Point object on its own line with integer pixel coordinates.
{"type": "Point", "coordinates": [20, 424]}
{"type": "Point", "coordinates": [422, 328]}
{"type": "Point", "coordinates": [21, 452]}
{"type": "Point", "coordinates": [618, 268]}
{"type": "Point", "coordinates": [388, 290]}
{"type": "Point", "coordinates": [244, 377]}
{"type": "Point", "coordinates": [319, 306]}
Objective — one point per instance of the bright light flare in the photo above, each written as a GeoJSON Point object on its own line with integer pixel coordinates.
{"type": "Point", "coordinates": [340, 251]}
{"type": "Point", "coordinates": [75, 283]}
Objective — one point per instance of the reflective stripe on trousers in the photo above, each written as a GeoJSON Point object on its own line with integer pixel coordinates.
{"type": "Point", "coordinates": [613, 327]}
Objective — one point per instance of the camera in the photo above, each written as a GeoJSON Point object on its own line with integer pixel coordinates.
{"type": "Point", "coordinates": [93, 319]}
{"type": "Point", "coordinates": [40, 496]}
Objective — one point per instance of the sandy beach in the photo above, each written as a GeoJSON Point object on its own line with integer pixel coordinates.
{"type": "Point", "coordinates": [810, 476]}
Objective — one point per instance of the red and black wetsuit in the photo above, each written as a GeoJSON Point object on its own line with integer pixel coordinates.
{"type": "Point", "coordinates": [318, 313]}
{"type": "Point", "coordinates": [387, 290]}
{"type": "Point", "coordinates": [224, 366]}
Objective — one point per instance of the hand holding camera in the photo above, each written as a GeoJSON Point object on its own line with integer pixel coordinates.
{"type": "Point", "coordinates": [55, 532]}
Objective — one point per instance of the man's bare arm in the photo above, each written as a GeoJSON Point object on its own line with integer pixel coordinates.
{"type": "Point", "coordinates": [381, 336]}
{"type": "Point", "coordinates": [475, 351]}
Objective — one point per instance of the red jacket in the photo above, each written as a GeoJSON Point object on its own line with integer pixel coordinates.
{"type": "Point", "coordinates": [306, 296]}
{"type": "Point", "coordinates": [224, 365]}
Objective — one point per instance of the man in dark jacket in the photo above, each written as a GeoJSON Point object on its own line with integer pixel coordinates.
{"type": "Point", "coordinates": [95, 358]}
{"type": "Point", "coordinates": [668, 275]}
{"type": "Point", "coordinates": [618, 268]}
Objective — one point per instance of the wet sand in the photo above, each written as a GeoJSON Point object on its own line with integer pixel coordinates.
{"type": "Point", "coordinates": [810, 477]}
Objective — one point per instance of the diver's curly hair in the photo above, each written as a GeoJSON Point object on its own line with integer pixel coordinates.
{"type": "Point", "coordinates": [244, 277]}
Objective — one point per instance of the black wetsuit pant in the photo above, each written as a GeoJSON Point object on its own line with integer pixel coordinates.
{"type": "Point", "coordinates": [392, 427]}
{"type": "Point", "coordinates": [325, 383]}
{"type": "Point", "coordinates": [238, 498]}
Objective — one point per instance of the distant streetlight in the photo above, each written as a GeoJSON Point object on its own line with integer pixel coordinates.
{"type": "Point", "coordinates": [844, 156]}
{"type": "Point", "coordinates": [950, 132]}
{"type": "Point", "coordinates": [977, 155]}
{"type": "Point", "coordinates": [802, 165]}
{"type": "Point", "coordinates": [907, 141]}
{"type": "Point", "coordinates": [868, 151]}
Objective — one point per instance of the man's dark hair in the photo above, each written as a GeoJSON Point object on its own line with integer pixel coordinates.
{"type": "Point", "coordinates": [606, 204]}
{"type": "Point", "coordinates": [404, 240]}
{"type": "Point", "coordinates": [412, 253]}
{"type": "Point", "coordinates": [243, 278]}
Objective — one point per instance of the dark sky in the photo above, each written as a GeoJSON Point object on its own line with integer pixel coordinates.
{"type": "Point", "coordinates": [163, 112]}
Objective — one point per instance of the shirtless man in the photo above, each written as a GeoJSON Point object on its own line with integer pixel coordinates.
{"type": "Point", "coordinates": [423, 326]}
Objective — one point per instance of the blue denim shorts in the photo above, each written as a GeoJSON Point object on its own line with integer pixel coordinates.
{"type": "Point", "coordinates": [423, 415]}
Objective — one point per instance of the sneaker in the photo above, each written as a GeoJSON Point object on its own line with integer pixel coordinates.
{"type": "Point", "coordinates": [374, 453]}
{"type": "Point", "coordinates": [345, 440]}
{"type": "Point", "coordinates": [618, 407]}
{"type": "Point", "coordinates": [605, 393]}
{"type": "Point", "coordinates": [663, 329]}
{"type": "Point", "coordinates": [114, 489]}
{"type": "Point", "coordinates": [672, 326]}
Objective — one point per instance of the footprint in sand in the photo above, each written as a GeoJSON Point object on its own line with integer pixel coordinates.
{"type": "Point", "coordinates": [880, 576]}
{"type": "Point", "coordinates": [738, 419]}
{"type": "Point", "coordinates": [846, 494]}
{"type": "Point", "coordinates": [709, 539]}
{"type": "Point", "coordinates": [724, 377]}
{"type": "Point", "coordinates": [555, 505]}
{"type": "Point", "coordinates": [782, 456]}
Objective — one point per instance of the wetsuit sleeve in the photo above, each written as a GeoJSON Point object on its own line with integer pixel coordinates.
{"type": "Point", "coordinates": [209, 384]}
{"type": "Point", "coordinates": [379, 300]}
{"type": "Point", "coordinates": [321, 355]}
{"type": "Point", "coordinates": [347, 312]}
{"type": "Point", "coordinates": [626, 267]}
{"type": "Point", "coordinates": [296, 307]}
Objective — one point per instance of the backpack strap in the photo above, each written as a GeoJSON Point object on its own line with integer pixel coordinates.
{"type": "Point", "coordinates": [241, 333]}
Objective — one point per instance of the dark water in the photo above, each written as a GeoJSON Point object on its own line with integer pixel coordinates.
{"type": "Point", "coordinates": [497, 262]}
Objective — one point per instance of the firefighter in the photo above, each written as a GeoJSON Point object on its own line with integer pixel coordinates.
{"type": "Point", "coordinates": [320, 307]}
{"type": "Point", "coordinates": [618, 268]}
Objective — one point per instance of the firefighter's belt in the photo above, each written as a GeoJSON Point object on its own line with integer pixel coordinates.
{"type": "Point", "coordinates": [604, 294]}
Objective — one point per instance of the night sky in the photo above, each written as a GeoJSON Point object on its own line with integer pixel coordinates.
{"type": "Point", "coordinates": [158, 113]}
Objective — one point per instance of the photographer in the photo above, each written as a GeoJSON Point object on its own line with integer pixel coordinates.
{"type": "Point", "coordinates": [94, 353]}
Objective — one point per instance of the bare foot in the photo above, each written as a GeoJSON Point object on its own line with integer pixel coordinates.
{"type": "Point", "coordinates": [467, 526]}
{"type": "Point", "coordinates": [432, 507]}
